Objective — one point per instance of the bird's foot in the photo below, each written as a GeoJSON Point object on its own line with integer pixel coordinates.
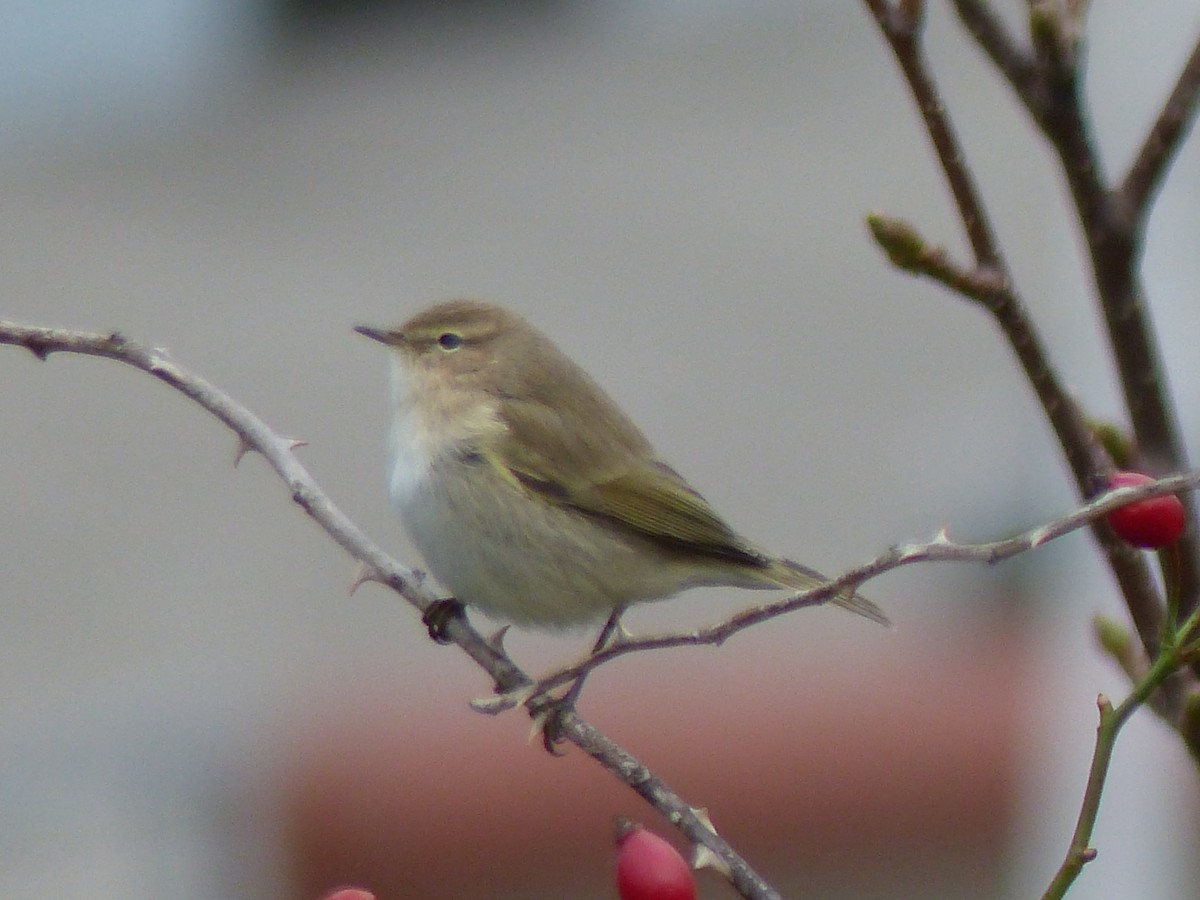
{"type": "Point", "coordinates": [438, 616]}
{"type": "Point", "coordinates": [549, 713]}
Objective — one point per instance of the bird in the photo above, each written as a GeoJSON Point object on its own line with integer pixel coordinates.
{"type": "Point", "coordinates": [532, 496]}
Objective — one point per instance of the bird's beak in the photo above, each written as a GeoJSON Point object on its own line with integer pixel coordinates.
{"type": "Point", "coordinates": [382, 335]}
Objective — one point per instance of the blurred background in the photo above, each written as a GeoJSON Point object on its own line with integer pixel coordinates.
{"type": "Point", "coordinates": [190, 704]}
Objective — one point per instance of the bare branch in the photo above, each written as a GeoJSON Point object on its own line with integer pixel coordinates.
{"type": "Point", "coordinates": [692, 822]}
{"type": "Point", "coordinates": [1013, 61]}
{"type": "Point", "coordinates": [1055, 37]}
{"type": "Point", "coordinates": [1161, 144]}
{"type": "Point", "coordinates": [254, 434]}
{"type": "Point", "coordinates": [1048, 83]}
{"type": "Point", "coordinates": [903, 33]}
{"type": "Point", "coordinates": [940, 549]}
{"type": "Point", "coordinates": [1087, 460]}
{"type": "Point", "coordinates": [251, 431]}
{"type": "Point", "coordinates": [1112, 221]}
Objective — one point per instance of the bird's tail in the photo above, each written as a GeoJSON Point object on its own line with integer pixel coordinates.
{"type": "Point", "coordinates": [801, 578]}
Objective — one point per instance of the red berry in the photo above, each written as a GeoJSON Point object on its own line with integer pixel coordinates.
{"type": "Point", "coordinates": [1156, 522]}
{"type": "Point", "coordinates": [649, 868]}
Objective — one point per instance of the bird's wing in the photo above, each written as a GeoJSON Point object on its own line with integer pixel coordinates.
{"type": "Point", "coordinates": [618, 481]}
{"type": "Point", "coordinates": [654, 501]}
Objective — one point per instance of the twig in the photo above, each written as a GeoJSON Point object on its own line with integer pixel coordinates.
{"type": "Point", "coordinates": [1080, 852]}
{"type": "Point", "coordinates": [692, 822]}
{"type": "Point", "coordinates": [1049, 91]}
{"type": "Point", "coordinates": [993, 291]}
{"type": "Point", "coordinates": [253, 433]}
{"type": "Point", "coordinates": [1112, 222]}
{"type": "Point", "coordinates": [902, 29]}
{"type": "Point", "coordinates": [1046, 80]}
{"type": "Point", "coordinates": [940, 549]}
{"type": "Point", "coordinates": [1162, 142]}
{"type": "Point", "coordinates": [1015, 62]}
{"type": "Point", "coordinates": [991, 274]}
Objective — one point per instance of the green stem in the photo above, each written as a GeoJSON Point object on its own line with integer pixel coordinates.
{"type": "Point", "coordinates": [1111, 721]}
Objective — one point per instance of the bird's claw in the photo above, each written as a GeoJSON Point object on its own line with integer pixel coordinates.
{"type": "Point", "coordinates": [548, 723]}
{"type": "Point", "coordinates": [438, 616]}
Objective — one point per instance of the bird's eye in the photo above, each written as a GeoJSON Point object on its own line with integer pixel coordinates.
{"type": "Point", "coordinates": [450, 341]}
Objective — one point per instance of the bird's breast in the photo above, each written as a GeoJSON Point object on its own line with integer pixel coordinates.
{"type": "Point", "coordinates": [431, 421]}
{"type": "Point", "coordinates": [412, 452]}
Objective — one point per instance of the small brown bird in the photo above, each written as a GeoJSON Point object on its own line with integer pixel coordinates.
{"type": "Point", "coordinates": [531, 495]}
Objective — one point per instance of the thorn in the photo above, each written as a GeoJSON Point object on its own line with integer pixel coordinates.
{"type": "Point", "coordinates": [39, 349]}
{"type": "Point", "coordinates": [621, 635]}
{"type": "Point", "coordinates": [496, 639]}
{"type": "Point", "coordinates": [704, 858]}
{"type": "Point", "coordinates": [702, 855]}
{"type": "Point", "coordinates": [243, 447]}
{"type": "Point", "coordinates": [362, 574]}
{"type": "Point", "coordinates": [1039, 536]}
{"type": "Point", "coordinates": [701, 813]}
{"type": "Point", "coordinates": [293, 443]}
{"type": "Point", "coordinates": [160, 359]}
{"type": "Point", "coordinates": [942, 538]}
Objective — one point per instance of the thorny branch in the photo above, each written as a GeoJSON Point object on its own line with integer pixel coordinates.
{"type": "Point", "coordinates": [940, 549]}
{"type": "Point", "coordinates": [1149, 168]}
{"type": "Point", "coordinates": [254, 434]}
{"type": "Point", "coordinates": [990, 284]}
{"type": "Point", "coordinates": [1048, 81]}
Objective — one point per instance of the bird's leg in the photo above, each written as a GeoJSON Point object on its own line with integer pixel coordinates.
{"type": "Point", "coordinates": [610, 628]}
{"type": "Point", "coordinates": [549, 714]}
